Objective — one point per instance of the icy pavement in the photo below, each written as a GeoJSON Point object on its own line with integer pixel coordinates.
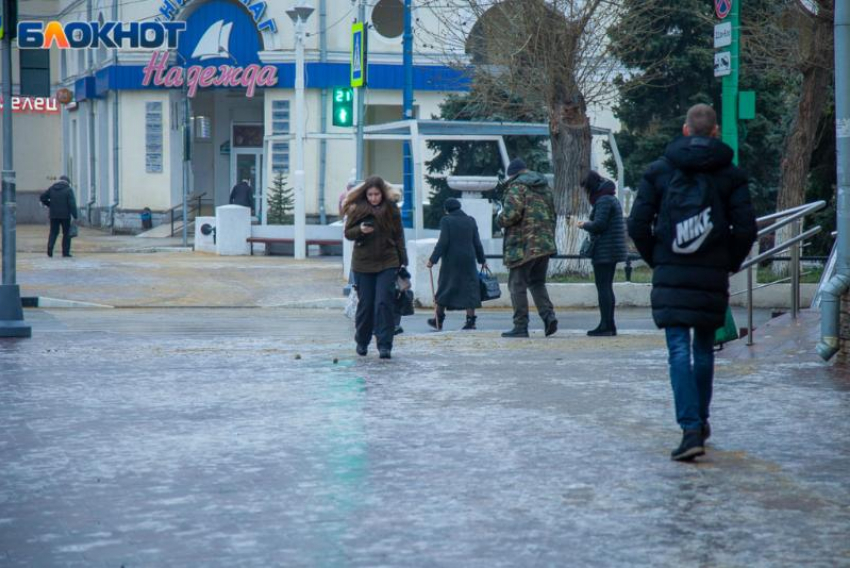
{"type": "Point", "coordinates": [256, 438]}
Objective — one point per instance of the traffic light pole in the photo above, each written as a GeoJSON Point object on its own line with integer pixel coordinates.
{"type": "Point", "coordinates": [409, 199]}
{"type": "Point", "coordinates": [11, 312]}
{"type": "Point", "coordinates": [361, 101]}
{"type": "Point", "coordinates": [729, 120]}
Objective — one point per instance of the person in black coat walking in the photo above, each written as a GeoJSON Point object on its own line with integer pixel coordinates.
{"type": "Point", "coordinates": [242, 194]}
{"type": "Point", "coordinates": [459, 247]}
{"type": "Point", "coordinates": [59, 197]}
{"type": "Point", "coordinates": [692, 258]}
{"type": "Point", "coordinates": [608, 231]}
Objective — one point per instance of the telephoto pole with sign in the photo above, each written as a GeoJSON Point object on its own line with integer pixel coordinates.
{"type": "Point", "coordinates": [12, 322]}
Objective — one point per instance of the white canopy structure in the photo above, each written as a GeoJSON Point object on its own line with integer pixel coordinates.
{"type": "Point", "coordinates": [419, 131]}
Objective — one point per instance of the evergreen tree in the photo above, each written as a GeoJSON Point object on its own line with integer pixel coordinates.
{"type": "Point", "coordinates": [479, 158]}
{"type": "Point", "coordinates": [653, 105]}
{"type": "Point", "coordinates": [281, 201]}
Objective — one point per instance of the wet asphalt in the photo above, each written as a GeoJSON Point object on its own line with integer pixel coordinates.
{"type": "Point", "coordinates": [255, 437]}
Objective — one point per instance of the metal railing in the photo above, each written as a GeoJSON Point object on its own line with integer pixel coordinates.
{"type": "Point", "coordinates": [195, 203]}
{"type": "Point", "coordinates": [793, 217]}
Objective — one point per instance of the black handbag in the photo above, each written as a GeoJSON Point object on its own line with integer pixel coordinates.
{"type": "Point", "coordinates": [489, 284]}
{"type": "Point", "coordinates": [404, 302]}
{"type": "Point", "coordinates": [404, 293]}
{"type": "Point", "coordinates": [73, 231]}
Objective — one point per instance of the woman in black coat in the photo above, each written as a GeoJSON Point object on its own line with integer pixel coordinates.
{"type": "Point", "coordinates": [459, 248]}
{"type": "Point", "coordinates": [608, 231]}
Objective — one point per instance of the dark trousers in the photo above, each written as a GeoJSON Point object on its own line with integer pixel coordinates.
{"type": "Point", "coordinates": [530, 277]}
{"type": "Point", "coordinates": [603, 275]}
{"type": "Point", "coordinates": [54, 233]}
{"type": "Point", "coordinates": [691, 373]}
{"type": "Point", "coordinates": [375, 311]}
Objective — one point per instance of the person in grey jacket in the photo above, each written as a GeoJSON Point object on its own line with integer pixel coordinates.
{"type": "Point", "coordinates": [63, 205]}
{"type": "Point", "coordinates": [608, 231]}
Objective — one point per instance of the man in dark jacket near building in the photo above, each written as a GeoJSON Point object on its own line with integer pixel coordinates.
{"type": "Point", "coordinates": [243, 195]}
{"type": "Point", "coordinates": [60, 199]}
{"type": "Point", "coordinates": [692, 258]}
{"type": "Point", "coordinates": [528, 217]}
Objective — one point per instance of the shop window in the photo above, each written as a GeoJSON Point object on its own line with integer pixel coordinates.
{"type": "Point", "coordinates": [388, 18]}
{"type": "Point", "coordinates": [280, 125]}
{"type": "Point", "coordinates": [35, 72]}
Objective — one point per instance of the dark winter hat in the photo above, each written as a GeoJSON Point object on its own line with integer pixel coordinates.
{"type": "Point", "coordinates": [591, 181]}
{"type": "Point", "coordinates": [66, 179]}
{"type": "Point", "coordinates": [516, 166]}
{"type": "Point", "coordinates": [451, 204]}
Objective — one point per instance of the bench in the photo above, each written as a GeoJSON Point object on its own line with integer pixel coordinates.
{"type": "Point", "coordinates": [269, 240]}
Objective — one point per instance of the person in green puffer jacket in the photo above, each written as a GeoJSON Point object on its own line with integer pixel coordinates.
{"type": "Point", "coordinates": [528, 218]}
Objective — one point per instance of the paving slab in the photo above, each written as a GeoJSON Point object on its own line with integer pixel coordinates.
{"type": "Point", "coordinates": [256, 438]}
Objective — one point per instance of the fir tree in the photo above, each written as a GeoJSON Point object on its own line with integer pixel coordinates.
{"type": "Point", "coordinates": [281, 201]}
{"type": "Point", "coordinates": [479, 158]}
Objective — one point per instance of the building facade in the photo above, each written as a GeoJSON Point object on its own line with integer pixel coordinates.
{"type": "Point", "coordinates": [123, 142]}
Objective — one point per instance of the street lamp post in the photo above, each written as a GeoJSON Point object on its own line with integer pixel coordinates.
{"type": "Point", "coordinates": [11, 312]}
{"type": "Point", "coordinates": [299, 16]}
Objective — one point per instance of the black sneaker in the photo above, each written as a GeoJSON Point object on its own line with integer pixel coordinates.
{"type": "Point", "coordinates": [516, 332]}
{"type": "Point", "coordinates": [385, 354]}
{"type": "Point", "coordinates": [362, 350]}
{"type": "Point", "coordinates": [706, 431]}
{"type": "Point", "coordinates": [551, 326]}
{"type": "Point", "coordinates": [691, 446]}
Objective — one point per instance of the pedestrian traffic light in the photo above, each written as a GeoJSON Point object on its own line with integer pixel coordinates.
{"type": "Point", "coordinates": [343, 106]}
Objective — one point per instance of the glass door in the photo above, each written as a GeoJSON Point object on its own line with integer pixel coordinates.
{"type": "Point", "coordinates": [247, 166]}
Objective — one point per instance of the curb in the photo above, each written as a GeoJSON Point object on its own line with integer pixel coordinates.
{"type": "Point", "coordinates": [42, 302]}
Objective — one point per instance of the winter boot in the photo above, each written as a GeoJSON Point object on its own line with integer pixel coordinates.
{"type": "Point", "coordinates": [437, 322]}
{"type": "Point", "coordinates": [470, 322]}
{"type": "Point", "coordinates": [516, 332]}
{"type": "Point", "coordinates": [692, 446]}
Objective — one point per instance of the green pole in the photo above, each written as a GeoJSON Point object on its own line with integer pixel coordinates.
{"type": "Point", "coordinates": [729, 120]}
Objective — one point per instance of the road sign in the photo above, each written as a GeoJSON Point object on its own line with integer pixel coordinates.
{"type": "Point", "coordinates": [723, 8]}
{"type": "Point", "coordinates": [343, 106]}
{"type": "Point", "coordinates": [358, 55]}
{"type": "Point", "coordinates": [722, 63]}
{"type": "Point", "coordinates": [723, 35]}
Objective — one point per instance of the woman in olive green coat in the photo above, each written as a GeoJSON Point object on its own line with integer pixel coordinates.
{"type": "Point", "coordinates": [374, 224]}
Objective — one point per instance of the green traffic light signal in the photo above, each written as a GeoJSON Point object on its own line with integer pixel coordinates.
{"type": "Point", "coordinates": [343, 106]}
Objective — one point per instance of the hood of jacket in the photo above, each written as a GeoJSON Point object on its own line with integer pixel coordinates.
{"type": "Point", "coordinates": [532, 180]}
{"type": "Point", "coordinates": [60, 185]}
{"type": "Point", "coordinates": [699, 154]}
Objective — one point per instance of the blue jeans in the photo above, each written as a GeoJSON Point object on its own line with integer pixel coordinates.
{"type": "Point", "coordinates": [692, 381]}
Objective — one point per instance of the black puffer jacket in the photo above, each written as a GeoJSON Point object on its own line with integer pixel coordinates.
{"type": "Point", "coordinates": [693, 290]}
{"type": "Point", "coordinates": [61, 201]}
{"type": "Point", "coordinates": [608, 229]}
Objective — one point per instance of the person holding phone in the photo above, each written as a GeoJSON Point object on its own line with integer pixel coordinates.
{"type": "Point", "coordinates": [373, 222]}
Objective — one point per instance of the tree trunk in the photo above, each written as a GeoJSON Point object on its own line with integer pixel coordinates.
{"type": "Point", "coordinates": [799, 145]}
{"type": "Point", "coordinates": [569, 132]}
{"type": "Point", "coordinates": [816, 46]}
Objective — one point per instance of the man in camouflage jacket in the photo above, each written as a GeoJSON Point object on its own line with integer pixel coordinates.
{"type": "Point", "coordinates": [528, 218]}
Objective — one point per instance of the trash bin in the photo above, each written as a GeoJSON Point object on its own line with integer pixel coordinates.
{"type": "Point", "coordinates": [147, 218]}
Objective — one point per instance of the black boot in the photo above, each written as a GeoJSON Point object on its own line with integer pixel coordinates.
{"type": "Point", "coordinates": [470, 322]}
{"type": "Point", "coordinates": [437, 322]}
{"type": "Point", "coordinates": [602, 332]}
{"type": "Point", "coordinates": [692, 446]}
{"type": "Point", "coordinates": [551, 326]}
{"type": "Point", "coordinates": [516, 332]}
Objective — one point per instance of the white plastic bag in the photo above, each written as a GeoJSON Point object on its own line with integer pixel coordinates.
{"type": "Point", "coordinates": [351, 304]}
